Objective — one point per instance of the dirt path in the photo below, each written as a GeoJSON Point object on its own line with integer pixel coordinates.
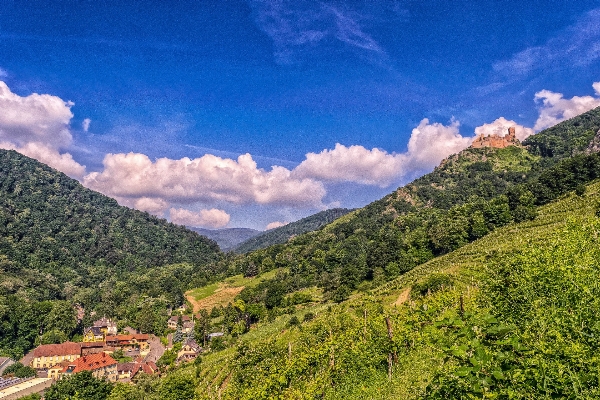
{"type": "Point", "coordinates": [402, 298]}
{"type": "Point", "coordinates": [221, 296]}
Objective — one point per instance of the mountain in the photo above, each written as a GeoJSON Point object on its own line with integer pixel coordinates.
{"type": "Point", "coordinates": [505, 250]}
{"type": "Point", "coordinates": [284, 233]}
{"type": "Point", "coordinates": [62, 244]}
{"type": "Point", "coordinates": [228, 238]}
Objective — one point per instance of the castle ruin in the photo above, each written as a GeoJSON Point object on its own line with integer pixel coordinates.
{"type": "Point", "coordinates": [496, 141]}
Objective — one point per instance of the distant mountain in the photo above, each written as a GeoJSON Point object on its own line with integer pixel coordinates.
{"type": "Point", "coordinates": [286, 232]}
{"type": "Point", "coordinates": [228, 238]}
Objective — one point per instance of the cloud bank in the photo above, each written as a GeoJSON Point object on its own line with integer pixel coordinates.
{"type": "Point", "coordinates": [205, 179]}
{"type": "Point", "coordinates": [429, 144]}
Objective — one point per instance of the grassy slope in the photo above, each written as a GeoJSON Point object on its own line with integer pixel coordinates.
{"type": "Point", "coordinates": [343, 325]}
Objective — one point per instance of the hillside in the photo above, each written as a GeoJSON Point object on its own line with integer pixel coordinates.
{"type": "Point", "coordinates": [61, 242]}
{"type": "Point", "coordinates": [493, 319]}
{"type": "Point", "coordinates": [227, 238]}
{"type": "Point", "coordinates": [288, 231]}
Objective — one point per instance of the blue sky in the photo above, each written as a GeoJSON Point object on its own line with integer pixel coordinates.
{"type": "Point", "coordinates": [351, 82]}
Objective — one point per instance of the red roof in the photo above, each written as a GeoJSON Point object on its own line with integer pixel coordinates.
{"type": "Point", "coordinates": [175, 318]}
{"type": "Point", "coordinates": [63, 349]}
{"type": "Point", "coordinates": [90, 363]}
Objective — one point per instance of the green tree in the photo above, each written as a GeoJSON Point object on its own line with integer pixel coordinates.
{"type": "Point", "coordinates": [177, 387]}
{"type": "Point", "coordinates": [82, 384]}
{"type": "Point", "coordinates": [202, 327]}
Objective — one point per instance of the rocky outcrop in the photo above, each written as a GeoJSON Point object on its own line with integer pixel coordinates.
{"type": "Point", "coordinates": [496, 141]}
{"type": "Point", "coordinates": [594, 146]}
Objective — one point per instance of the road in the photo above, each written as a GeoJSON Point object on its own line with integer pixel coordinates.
{"type": "Point", "coordinates": [156, 349]}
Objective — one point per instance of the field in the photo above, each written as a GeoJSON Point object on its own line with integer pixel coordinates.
{"type": "Point", "coordinates": [222, 293]}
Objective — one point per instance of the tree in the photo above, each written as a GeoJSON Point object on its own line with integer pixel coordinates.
{"type": "Point", "coordinates": [82, 384]}
{"type": "Point", "coordinates": [202, 327]}
{"type": "Point", "coordinates": [177, 387]}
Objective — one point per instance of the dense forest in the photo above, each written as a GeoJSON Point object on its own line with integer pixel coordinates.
{"type": "Point", "coordinates": [62, 244]}
{"type": "Point", "coordinates": [284, 233]}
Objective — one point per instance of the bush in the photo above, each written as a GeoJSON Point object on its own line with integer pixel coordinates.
{"type": "Point", "coordinates": [432, 284]}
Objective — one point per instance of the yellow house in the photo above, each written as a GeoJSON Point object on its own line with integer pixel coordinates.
{"type": "Point", "coordinates": [48, 355]}
{"type": "Point", "coordinates": [94, 334]}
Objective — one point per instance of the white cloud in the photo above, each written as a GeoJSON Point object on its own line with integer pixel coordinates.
{"type": "Point", "coordinates": [34, 118]}
{"type": "Point", "coordinates": [152, 205]}
{"type": "Point", "coordinates": [275, 224]}
{"type": "Point", "coordinates": [555, 108]}
{"type": "Point", "coordinates": [86, 124]}
{"type": "Point", "coordinates": [428, 145]}
{"type": "Point", "coordinates": [38, 126]}
{"type": "Point", "coordinates": [212, 218]}
{"type": "Point", "coordinates": [500, 127]}
{"type": "Point", "coordinates": [205, 179]}
{"type": "Point", "coordinates": [354, 163]}
{"type": "Point", "coordinates": [50, 156]}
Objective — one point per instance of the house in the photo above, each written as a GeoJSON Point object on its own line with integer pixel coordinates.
{"type": "Point", "coordinates": [54, 372]}
{"type": "Point", "coordinates": [189, 351]}
{"type": "Point", "coordinates": [101, 365]}
{"type": "Point", "coordinates": [174, 320]}
{"type": "Point", "coordinates": [16, 388]}
{"type": "Point", "coordinates": [47, 355]}
{"type": "Point", "coordinates": [126, 371]}
{"type": "Point", "coordinates": [188, 327]}
{"type": "Point", "coordinates": [93, 334]}
{"type": "Point", "coordinates": [139, 340]}
{"type": "Point", "coordinates": [92, 348]}
{"type": "Point", "coordinates": [107, 325]}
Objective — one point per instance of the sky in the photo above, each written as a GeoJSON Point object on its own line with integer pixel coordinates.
{"type": "Point", "coordinates": [257, 113]}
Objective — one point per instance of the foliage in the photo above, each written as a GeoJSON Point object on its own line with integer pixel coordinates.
{"type": "Point", "coordinates": [82, 385]}
{"type": "Point", "coordinates": [19, 370]}
{"type": "Point", "coordinates": [283, 233]}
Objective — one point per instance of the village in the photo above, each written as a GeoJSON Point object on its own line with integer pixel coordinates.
{"type": "Point", "coordinates": [105, 353]}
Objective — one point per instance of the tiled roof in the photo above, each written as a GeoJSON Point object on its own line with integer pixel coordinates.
{"type": "Point", "coordinates": [63, 349]}
{"type": "Point", "coordinates": [90, 363]}
{"type": "Point", "coordinates": [175, 318]}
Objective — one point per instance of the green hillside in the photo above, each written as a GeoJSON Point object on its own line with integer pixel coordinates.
{"type": "Point", "coordinates": [511, 315]}
{"type": "Point", "coordinates": [62, 244]}
{"type": "Point", "coordinates": [288, 231]}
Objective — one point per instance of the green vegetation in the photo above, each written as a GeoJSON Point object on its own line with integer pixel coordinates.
{"type": "Point", "coordinates": [19, 370]}
{"type": "Point", "coordinates": [62, 244]}
{"type": "Point", "coordinates": [286, 232]}
{"type": "Point", "coordinates": [79, 386]}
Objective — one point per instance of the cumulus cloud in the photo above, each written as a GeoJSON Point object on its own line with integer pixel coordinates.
{"type": "Point", "coordinates": [208, 178]}
{"type": "Point", "coordinates": [429, 144]}
{"type": "Point", "coordinates": [50, 156]}
{"type": "Point", "coordinates": [275, 224]}
{"type": "Point", "coordinates": [212, 218]}
{"type": "Point", "coordinates": [555, 108]}
{"type": "Point", "coordinates": [354, 163]}
{"type": "Point", "coordinates": [35, 118]}
{"type": "Point", "coordinates": [151, 205]}
{"type": "Point", "coordinates": [86, 124]}
{"type": "Point", "coordinates": [38, 126]}
{"type": "Point", "coordinates": [500, 127]}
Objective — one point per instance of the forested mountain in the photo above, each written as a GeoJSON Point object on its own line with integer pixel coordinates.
{"type": "Point", "coordinates": [60, 241]}
{"type": "Point", "coordinates": [469, 195]}
{"type": "Point", "coordinates": [228, 238]}
{"type": "Point", "coordinates": [500, 317]}
{"type": "Point", "coordinates": [284, 233]}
